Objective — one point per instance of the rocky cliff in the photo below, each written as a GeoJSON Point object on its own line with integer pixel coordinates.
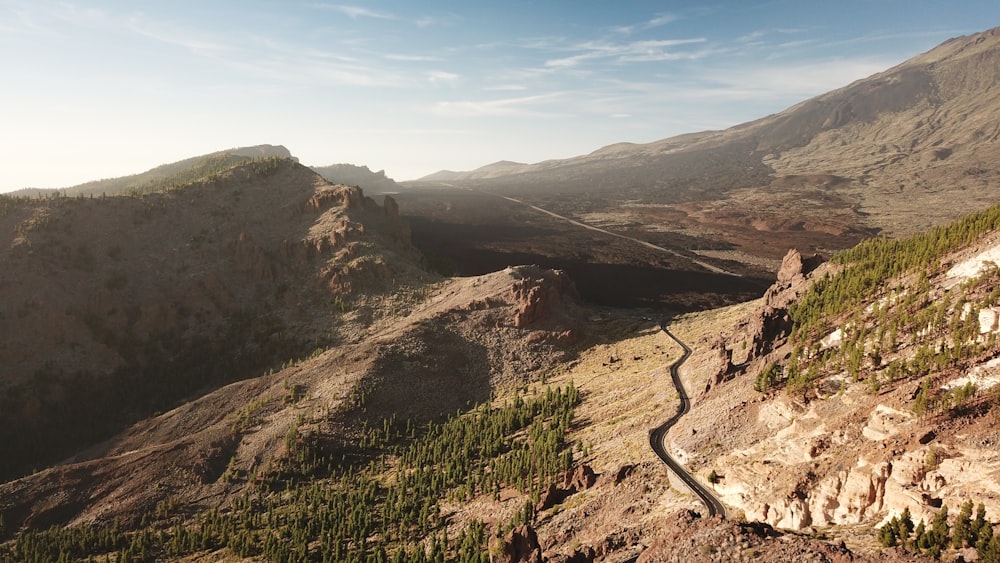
{"type": "Point", "coordinates": [847, 449]}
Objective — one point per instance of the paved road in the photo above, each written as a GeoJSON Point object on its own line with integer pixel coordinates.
{"type": "Point", "coordinates": [658, 435]}
{"type": "Point", "coordinates": [701, 263]}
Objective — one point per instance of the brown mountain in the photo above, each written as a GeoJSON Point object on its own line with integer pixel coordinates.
{"type": "Point", "coordinates": [165, 176]}
{"type": "Point", "coordinates": [361, 176]}
{"type": "Point", "coordinates": [896, 152]}
{"type": "Point", "coordinates": [253, 365]}
{"type": "Point", "coordinates": [116, 307]}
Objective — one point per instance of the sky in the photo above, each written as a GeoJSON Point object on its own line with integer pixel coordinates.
{"type": "Point", "coordinates": [101, 89]}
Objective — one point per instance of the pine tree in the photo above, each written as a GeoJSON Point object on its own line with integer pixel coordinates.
{"type": "Point", "coordinates": [979, 522]}
{"type": "Point", "coordinates": [904, 526]}
{"type": "Point", "coordinates": [962, 534]}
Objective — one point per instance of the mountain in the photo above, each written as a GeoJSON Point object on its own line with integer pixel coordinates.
{"type": "Point", "coordinates": [860, 390]}
{"type": "Point", "coordinates": [257, 364]}
{"type": "Point", "coordinates": [497, 169]}
{"type": "Point", "coordinates": [118, 307]}
{"type": "Point", "coordinates": [896, 153]}
{"type": "Point", "coordinates": [361, 176]}
{"type": "Point", "coordinates": [167, 175]}
{"type": "Point", "coordinates": [793, 433]}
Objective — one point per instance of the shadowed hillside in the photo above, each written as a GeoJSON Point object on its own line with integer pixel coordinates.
{"type": "Point", "coordinates": [113, 308]}
{"type": "Point", "coordinates": [898, 152]}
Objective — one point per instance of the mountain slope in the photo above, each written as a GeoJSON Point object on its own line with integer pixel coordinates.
{"type": "Point", "coordinates": [114, 308]}
{"type": "Point", "coordinates": [361, 176]}
{"type": "Point", "coordinates": [166, 176]}
{"type": "Point", "coordinates": [859, 390]}
{"type": "Point", "coordinates": [898, 152]}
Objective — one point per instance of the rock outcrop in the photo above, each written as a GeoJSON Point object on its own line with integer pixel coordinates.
{"type": "Point", "coordinates": [772, 325]}
{"type": "Point", "coordinates": [768, 329]}
{"type": "Point", "coordinates": [574, 481]}
{"type": "Point", "coordinates": [539, 294]}
{"type": "Point", "coordinates": [687, 537]}
{"type": "Point", "coordinates": [521, 546]}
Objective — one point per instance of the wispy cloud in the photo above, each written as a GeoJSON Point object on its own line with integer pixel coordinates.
{"type": "Point", "coordinates": [506, 88]}
{"type": "Point", "coordinates": [438, 77]}
{"type": "Point", "coordinates": [525, 106]}
{"type": "Point", "coordinates": [445, 19]}
{"type": "Point", "coordinates": [49, 20]}
{"type": "Point", "coordinates": [409, 58]}
{"type": "Point", "coordinates": [634, 51]}
{"type": "Point", "coordinates": [356, 12]}
{"type": "Point", "coordinates": [187, 40]}
{"type": "Point", "coordinates": [658, 20]}
{"type": "Point", "coordinates": [789, 81]}
{"type": "Point", "coordinates": [22, 22]}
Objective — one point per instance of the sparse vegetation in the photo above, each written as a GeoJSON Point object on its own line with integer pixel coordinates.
{"type": "Point", "coordinates": [309, 507]}
{"type": "Point", "coordinates": [965, 532]}
{"type": "Point", "coordinates": [767, 378]}
{"type": "Point", "coordinates": [881, 290]}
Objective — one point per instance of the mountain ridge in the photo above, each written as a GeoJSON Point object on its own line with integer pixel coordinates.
{"type": "Point", "coordinates": [164, 175]}
{"type": "Point", "coordinates": [258, 364]}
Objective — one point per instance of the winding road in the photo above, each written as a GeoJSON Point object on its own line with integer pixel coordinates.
{"type": "Point", "coordinates": [658, 435]}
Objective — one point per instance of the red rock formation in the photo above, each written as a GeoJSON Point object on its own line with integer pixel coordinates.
{"type": "Point", "coordinates": [539, 295]}
{"type": "Point", "coordinates": [579, 479]}
{"type": "Point", "coordinates": [574, 481]}
{"type": "Point", "coordinates": [623, 473]}
{"type": "Point", "coordinates": [521, 546]}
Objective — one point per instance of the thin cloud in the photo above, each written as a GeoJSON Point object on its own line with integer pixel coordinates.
{"type": "Point", "coordinates": [634, 51]}
{"type": "Point", "coordinates": [660, 20]}
{"type": "Point", "coordinates": [793, 44]}
{"type": "Point", "coordinates": [174, 37]}
{"type": "Point", "coordinates": [315, 71]}
{"type": "Point", "coordinates": [445, 19]}
{"type": "Point", "coordinates": [796, 81]}
{"type": "Point", "coordinates": [409, 58]}
{"type": "Point", "coordinates": [506, 107]}
{"type": "Point", "coordinates": [506, 88]}
{"type": "Point", "coordinates": [439, 77]}
{"type": "Point", "coordinates": [23, 23]}
{"type": "Point", "coordinates": [751, 37]}
{"type": "Point", "coordinates": [356, 12]}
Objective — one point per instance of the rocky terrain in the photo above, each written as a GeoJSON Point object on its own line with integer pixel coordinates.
{"type": "Point", "coordinates": [848, 449]}
{"type": "Point", "coordinates": [129, 304]}
{"type": "Point", "coordinates": [373, 183]}
{"type": "Point", "coordinates": [240, 360]}
{"type": "Point", "coordinates": [895, 153]}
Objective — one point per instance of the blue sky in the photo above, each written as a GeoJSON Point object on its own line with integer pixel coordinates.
{"type": "Point", "coordinates": [101, 89]}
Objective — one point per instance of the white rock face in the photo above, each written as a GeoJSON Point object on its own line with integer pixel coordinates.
{"type": "Point", "coordinates": [832, 339]}
{"type": "Point", "coordinates": [989, 320]}
{"type": "Point", "coordinates": [872, 490]}
{"type": "Point", "coordinates": [976, 265]}
{"type": "Point", "coordinates": [983, 376]}
{"type": "Point", "coordinates": [884, 423]}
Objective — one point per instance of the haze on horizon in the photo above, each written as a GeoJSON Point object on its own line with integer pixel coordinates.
{"type": "Point", "coordinates": [109, 88]}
